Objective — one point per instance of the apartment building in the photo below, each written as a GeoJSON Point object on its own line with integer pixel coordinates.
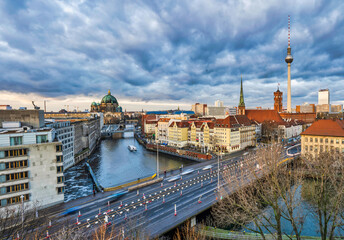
{"type": "Point", "coordinates": [323, 136]}
{"type": "Point", "coordinates": [161, 130]}
{"type": "Point", "coordinates": [178, 134]}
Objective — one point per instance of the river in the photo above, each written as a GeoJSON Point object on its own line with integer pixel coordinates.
{"type": "Point", "coordinates": [114, 164]}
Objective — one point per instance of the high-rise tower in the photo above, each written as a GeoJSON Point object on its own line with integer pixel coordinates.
{"type": "Point", "coordinates": [289, 59]}
{"type": "Point", "coordinates": [241, 106]}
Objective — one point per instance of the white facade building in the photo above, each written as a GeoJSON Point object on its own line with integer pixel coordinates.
{"type": "Point", "coordinates": [31, 168]}
{"type": "Point", "coordinates": [218, 103]}
{"type": "Point", "coordinates": [64, 132]}
{"type": "Point", "coordinates": [323, 97]}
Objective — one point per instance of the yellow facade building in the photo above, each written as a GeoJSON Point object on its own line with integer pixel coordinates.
{"type": "Point", "coordinates": [323, 136]}
{"type": "Point", "coordinates": [178, 134]}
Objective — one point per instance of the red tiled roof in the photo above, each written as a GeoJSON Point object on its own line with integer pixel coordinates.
{"type": "Point", "coordinates": [242, 120]}
{"type": "Point", "coordinates": [233, 121]}
{"type": "Point", "coordinates": [180, 124]}
{"type": "Point", "coordinates": [263, 115]}
{"type": "Point", "coordinates": [164, 119]}
{"type": "Point", "coordinates": [151, 121]}
{"type": "Point", "coordinates": [326, 128]}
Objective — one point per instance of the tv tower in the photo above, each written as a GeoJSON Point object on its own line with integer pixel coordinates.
{"type": "Point", "coordinates": [289, 59]}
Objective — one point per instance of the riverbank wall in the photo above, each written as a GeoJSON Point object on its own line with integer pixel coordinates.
{"type": "Point", "coordinates": [186, 154]}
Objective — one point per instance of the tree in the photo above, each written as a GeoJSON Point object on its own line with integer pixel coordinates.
{"type": "Point", "coordinates": [324, 190]}
{"type": "Point", "coordinates": [188, 232]}
{"type": "Point", "coordinates": [261, 182]}
{"type": "Point", "coordinates": [20, 220]}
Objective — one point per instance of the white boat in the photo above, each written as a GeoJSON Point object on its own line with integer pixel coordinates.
{"type": "Point", "coordinates": [132, 148]}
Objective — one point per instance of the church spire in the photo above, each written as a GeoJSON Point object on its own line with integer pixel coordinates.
{"type": "Point", "coordinates": [241, 102]}
{"type": "Point", "coordinates": [241, 107]}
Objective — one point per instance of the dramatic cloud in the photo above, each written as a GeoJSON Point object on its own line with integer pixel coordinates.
{"type": "Point", "coordinates": [170, 51]}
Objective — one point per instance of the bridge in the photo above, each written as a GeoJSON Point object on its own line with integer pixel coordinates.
{"type": "Point", "coordinates": [111, 130]}
{"type": "Point", "coordinates": [159, 207]}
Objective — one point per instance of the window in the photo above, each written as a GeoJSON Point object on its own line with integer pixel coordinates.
{"type": "Point", "coordinates": [59, 159]}
{"type": "Point", "coordinates": [337, 141]}
{"type": "Point", "coordinates": [17, 188]}
{"type": "Point", "coordinates": [16, 164]}
{"type": "Point", "coordinates": [17, 176]}
{"type": "Point", "coordinates": [41, 138]}
{"type": "Point", "coordinates": [326, 140]}
{"type": "Point", "coordinates": [311, 139]}
{"type": "Point", "coordinates": [16, 141]}
{"type": "Point", "coordinates": [59, 169]}
{"type": "Point", "coordinates": [306, 148]}
{"type": "Point", "coordinates": [60, 190]}
{"type": "Point", "coordinates": [343, 141]}
{"type": "Point", "coordinates": [306, 139]}
{"type": "Point", "coordinates": [321, 140]}
{"type": "Point", "coordinates": [3, 202]}
{"type": "Point", "coordinates": [13, 153]}
{"type": "Point", "coordinates": [17, 199]}
{"type": "Point", "coordinates": [331, 141]}
{"type": "Point", "coordinates": [310, 148]}
{"type": "Point", "coordinates": [342, 150]}
{"type": "Point", "coordinates": [60, 179]}
{"type": "Point", "coordinates": [316, 140]}
{"type": "Point", "coordinates": [59, 148]}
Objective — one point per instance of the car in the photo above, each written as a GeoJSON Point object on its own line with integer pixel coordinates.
{"type": "Point", "coordinates": [207, 167]}
{"type": "Point", "coordinates": [188, 171]}
{"type": "Point", "coordinates": [70, 211]}
{"type": "Point", "coordinates": [172, 179]}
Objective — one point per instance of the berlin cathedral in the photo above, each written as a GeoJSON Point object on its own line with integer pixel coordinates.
{"type": "Point", "coordinates": [109, 107]}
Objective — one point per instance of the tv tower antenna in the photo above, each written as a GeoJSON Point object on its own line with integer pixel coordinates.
{"type": "Point", "coordinates": [288, 30]}
{"type": "Point", "coordinates": [289, 59]}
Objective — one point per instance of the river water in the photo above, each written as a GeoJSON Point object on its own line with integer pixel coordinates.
{"type": "Point", "coordinates": [114, 164]}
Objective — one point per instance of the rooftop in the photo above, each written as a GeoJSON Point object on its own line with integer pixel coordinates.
{"type": "Point", "coordinates": [263, 115]}
{"type": "Point", "coordinates": [334, 128]}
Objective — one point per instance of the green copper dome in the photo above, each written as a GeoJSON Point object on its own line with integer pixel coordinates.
{"type": "Point", "coordinates": [94, 104]}
{"type": "Point", "coordinates": [109, 98]}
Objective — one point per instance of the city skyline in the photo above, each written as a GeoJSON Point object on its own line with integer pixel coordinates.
{"type": "Point", "coordinates": [157, 56]}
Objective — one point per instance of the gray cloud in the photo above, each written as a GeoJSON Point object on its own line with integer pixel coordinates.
{"type": "Point", "coordinates": [173, 50]}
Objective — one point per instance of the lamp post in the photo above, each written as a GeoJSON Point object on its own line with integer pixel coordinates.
{"type": "Point", "coordinates": [22, 201]}
{"type": "Point", "coordinates": [157, 160]}
{"type": "Point", "coordinates": [218, 173]}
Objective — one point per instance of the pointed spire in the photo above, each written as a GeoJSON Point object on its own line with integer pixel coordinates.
{"type": "Point", "coordinates": [241, 102]}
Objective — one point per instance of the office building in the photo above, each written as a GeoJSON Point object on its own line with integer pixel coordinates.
{"type": "Point", "coordinates": [324, 97]}
{"type": "Point", "coordinates": [64, 132]}
{"type": "Point", "coordinates": [218, 103]}
{"type": "Point", "coordinates": [31, 166]}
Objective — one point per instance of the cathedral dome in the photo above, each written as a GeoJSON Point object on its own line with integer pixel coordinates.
{"type": "Point", "coordinates": [109, 98]}
{"type": "Point", "coordinates": [94, 104]}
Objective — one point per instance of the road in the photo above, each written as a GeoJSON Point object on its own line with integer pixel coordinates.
{"type": "Point", "coordinates": [153, 207]}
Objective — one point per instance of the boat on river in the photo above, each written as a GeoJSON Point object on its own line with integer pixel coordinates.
{"type": "Point", "coordinates": [132, 148]}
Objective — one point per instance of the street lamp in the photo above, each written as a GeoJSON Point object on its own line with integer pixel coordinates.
{"type": "Point", "coordinates": [157, 160]}
{"type": "Point", "coordinates": [22, 201]}
{"type": "Point", "coordinates": [218, 173]}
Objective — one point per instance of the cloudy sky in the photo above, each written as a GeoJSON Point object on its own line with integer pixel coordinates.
{"type": "Point", "coordinates": [164, 54]}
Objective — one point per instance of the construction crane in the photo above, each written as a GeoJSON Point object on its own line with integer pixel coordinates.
{"type": "Point", "coordinates": [34, 106]}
